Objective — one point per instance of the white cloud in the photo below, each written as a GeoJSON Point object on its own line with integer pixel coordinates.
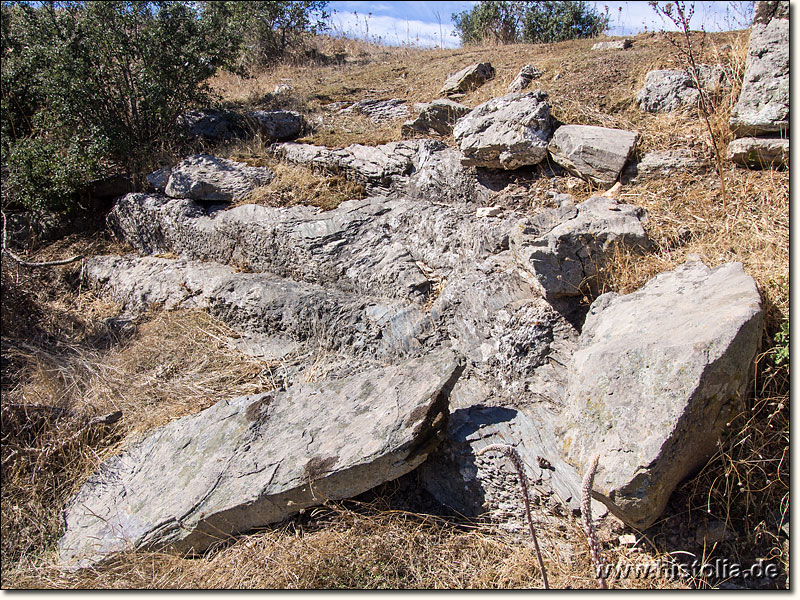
{"type": "Point", "coordinates": [394, 31]}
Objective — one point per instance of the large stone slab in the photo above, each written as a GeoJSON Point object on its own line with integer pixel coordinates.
{"type": "Point", "coordinates": [763, 106]}
{"type": "Point", "coordinates": [507, 132]}
{"type": "Point", "coordinates": [597, 154]}
{"type": "Point", "coordinates": [760, 153]}
{"type": "Point", "coordinates": [376, 246]}
{"type": "Point", "coordinates": [657, 376]}
{"type": "Point", "coordinates": [438, 116]}
{"type": "Point", "coordinates": [214, 179]}
{"type": "Point", "coordinates": [255, 460]}
{"type": "Point", "coordinates": [563, 248]}
{"type": "Point", "coordinates": [262, 303]}
{"type": "Point", "coordinates": [380, 110]}
{"type": "Point", "coordinates": [467, 79]}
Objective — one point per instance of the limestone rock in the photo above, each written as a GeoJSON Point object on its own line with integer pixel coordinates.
{"type": "Point", "coordinates": [668, 90]}
{"type": "Point", "coordinates": [597, 154]}
{"type": "Point", "coordinates": [613, 45]}
{"type": "Point", "coordinates": [263, 303]}
{"type": "Point", "coordinates": [488, 211]}
{"type": "Point", "coordinates": [507, 132]}
{"type": "Point", "coordinates": [476, 485]}
{"type": "Point", "coordinates": [563, 248]}
{"type": "Point", "coordinates": [373, 246]}
{"type": "Point", "coordinates": [438, 116]}
{"type": "Point", "coordinates": [657, 375]}
{"type": "Point", "coordinates": [213, 179]}
{"type": "Point", "coordinates": [523, 79]}
{"type": "Point", "coordinates": [255, 460]}
{"type": "Point", "coordinates": [419, 169]}
{"type": "Point", "coordinates": [763, 106]}
{"type": "Point", "coordinates": [760, 153]}
{"type": "Point", "coordinates": [663, 163]}
{"type": "Point", "coordinates": [277, 125]}
{"type": "Point", "coordinates": [380, 110]}
{"type": "Point", "coordinates": [467, 79]}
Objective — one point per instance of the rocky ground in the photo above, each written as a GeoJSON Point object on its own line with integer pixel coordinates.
{"type": "Point", "coordinates": [313, 328]}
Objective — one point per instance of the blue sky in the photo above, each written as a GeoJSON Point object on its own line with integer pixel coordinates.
{"type": "Point", "coordinates": [429, 23]}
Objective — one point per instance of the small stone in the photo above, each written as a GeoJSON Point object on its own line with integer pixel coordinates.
{"type": "Point", "coordinates": [488, 211]}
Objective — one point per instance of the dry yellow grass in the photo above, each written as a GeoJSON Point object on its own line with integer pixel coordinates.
{"type": "Point", "coordinates": [58, 353]}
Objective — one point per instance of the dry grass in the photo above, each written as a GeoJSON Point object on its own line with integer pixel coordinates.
{"type": "Point", "coordinates": [65, 363]}
{"type": "Point", "coordinates": [350, 547]}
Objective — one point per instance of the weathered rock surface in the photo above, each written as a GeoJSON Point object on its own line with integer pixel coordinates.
{"type": "Point", "coordinates": [467, 79]}
{"type": "Point", "coordinates": [763, 106]}
{"type": "Point", "coordinates": [438, 116]}
{"type": "Point", "coordinates": [265, 304]}
{"type": "Point", "coordinates": [488, 485]}
{"type": "Point", "coordinates": [613, 45]}
{"type": "Point", "coordinates": [597, 154]}
{"type": "Point", "coordinates": [507, 132]}
{"type": "Point", "coordinates": [667, 90]}
{"type": "Point", "coordinates": [419, 169]}
{"type": "Point", "coordinates": [524, 78]}
{"type": "Point", "coordinates": [661, 163]}
{"type": "Point", "coordinates": [380, 110]}
{"type": "Point", "coordinates": [258, 459]}
{"type": "Point", "coordinates": [563, 248]}
{"type": "Point", "coordinates": [373, 246]}
{"type": "Point", "coordinates": [657, 375]}
{"type": "Point", "coordinates": [212, 179]}
{"type": "Point", "coordinates": [760, 153]}
{"type": "Point", "coordinates": [277, 125]}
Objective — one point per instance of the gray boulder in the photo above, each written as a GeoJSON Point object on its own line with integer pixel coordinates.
{"type": "Point", "coordinates": [507, 132]}
{"type": "Point", "coordinates": [255, 460]}
{"type": "Point", "coordinates": [596, 154]}
{"type": "Point", "coordinates": [524, 78]}
{"type": "Point", "coordinates": [563, 248]}
{"type": "Point", "coordinates": [380, 110]}
{"type": "Point", "coordinates": [438, 116]}
{"type": "Point", "coordinates": [668, 90]}
{"type": "Point", "coordinates": [760, 153]}
{"type": "Point", "coordinates": [213, 179]}
{"type": "Point", "coordinates": [657, 376]}
{"type": "Point", "coordinates": [663, 163]}
{"type": "Point", "coordinates": [763, 106]}
{"type": "Point", "coordinates": [613, 45]}
{"type": "Point", "coordinates": [277, 125]}
{"type": "Point", "coordinates": [467, 79]}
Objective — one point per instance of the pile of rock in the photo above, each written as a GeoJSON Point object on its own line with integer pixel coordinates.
{"type": "Point", "coordinates": [437, 325]}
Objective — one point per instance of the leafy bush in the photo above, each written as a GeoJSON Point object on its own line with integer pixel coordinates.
{"type": "Point", "coordinates": [44, 175]}
{"type": "Point", "coordinates": [100, 85]}
{"type": "Point", "coordinates": [532, 21]}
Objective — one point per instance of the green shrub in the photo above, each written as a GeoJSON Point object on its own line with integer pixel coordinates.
{"type": "Point", "coordinates": [46, 175]}
{"type": "Point", "coordinates": [532, 21]}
